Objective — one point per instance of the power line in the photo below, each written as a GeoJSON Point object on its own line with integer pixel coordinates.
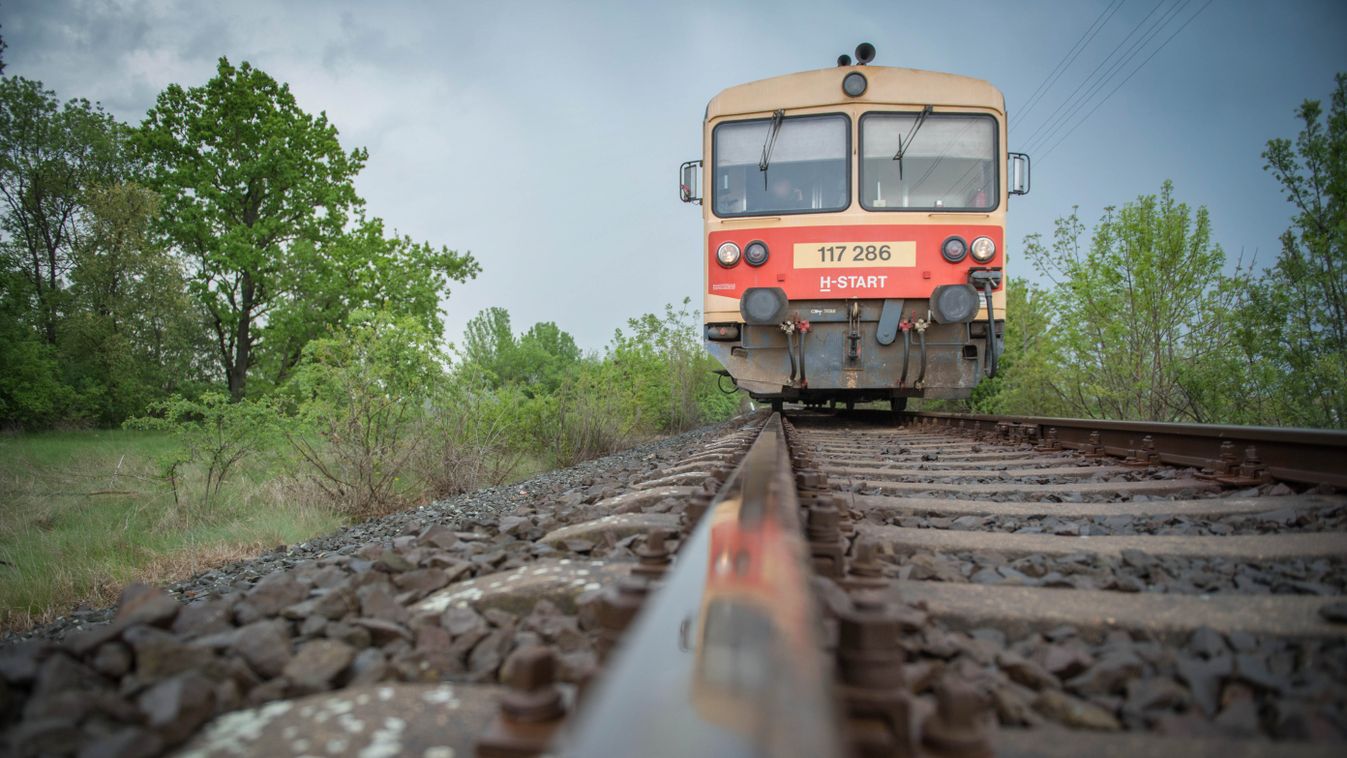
{"type": "Point", "coordinates": [1114, 71]}
{"type": "Point", "coordinates": [1095, 79]}
{"type": "Point", "coordinates": [1125, 81]}
{"type": "Point", "coordinates": [1070, 56]}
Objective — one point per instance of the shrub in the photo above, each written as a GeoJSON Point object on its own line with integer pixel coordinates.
{"type": "Point", "coordinates": [475, 436]}
{"type": "Point", "coordinates": [213, 435]}
{"type": "Point", "coordinates": [362, 397]}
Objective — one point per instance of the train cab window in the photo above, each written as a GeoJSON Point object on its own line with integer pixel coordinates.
{"type": "Point", "coordinates": [806, 159]}
{"type": "Point", "coordinates": [943, 162]}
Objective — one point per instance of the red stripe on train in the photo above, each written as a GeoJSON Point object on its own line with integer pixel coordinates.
{"type": "Point", "coordinates": [844, 279]}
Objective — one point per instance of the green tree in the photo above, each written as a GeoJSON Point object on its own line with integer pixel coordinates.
{"type": "Point", "coordinates": [1023, 384]}
{"type": "Point", "coordinates": [49, 153]}
{"type": "Point", "coordinates": [489, 345]}
{"type": "Point", "coordinates": [1300, 304]}
{"type": "Point", "coordinates": [132, 336]}
{"type": "Point", "coordinates": [538, 362]}
{"type": "Point", "coordinates": [1129, 309]}
{"type": "Point", "coordinates": [545, 357]}
{"type": "Point", "coordinates": [259, 199]}
{"type": "Point", "coordinates": [666, 371]}
{"type": "Point", "coordinates": [245, 174]}
{"type": "Point", "coordinates": [364, 269]}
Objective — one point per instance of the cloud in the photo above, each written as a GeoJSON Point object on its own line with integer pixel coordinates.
{"type": "Point", "coordinates": [545, 136]}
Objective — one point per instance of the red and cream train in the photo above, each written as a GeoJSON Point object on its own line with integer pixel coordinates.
{"type": "Point", "coordinates": [855, 232]}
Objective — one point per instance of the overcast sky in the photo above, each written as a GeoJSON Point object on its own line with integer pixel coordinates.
{"type": "Point", "coordinates": [545, 137]}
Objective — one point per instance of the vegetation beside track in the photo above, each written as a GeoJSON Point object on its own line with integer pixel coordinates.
{"type": "Point", "coordinates": [1143, 319]}
{"type": "Point", "coordinates": [373, 422]}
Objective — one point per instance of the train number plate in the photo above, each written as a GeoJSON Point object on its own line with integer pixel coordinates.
{"type": "Point", "coordinates": [855, 254]}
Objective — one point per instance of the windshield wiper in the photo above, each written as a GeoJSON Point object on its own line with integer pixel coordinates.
{"type": "Point", "coordinates": [778, 116]}
{"type": "Point", "coordinates": [903, 148]}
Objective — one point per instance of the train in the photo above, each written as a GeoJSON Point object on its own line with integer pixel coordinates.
{"type": "Point", "coordinates": [854, 233]}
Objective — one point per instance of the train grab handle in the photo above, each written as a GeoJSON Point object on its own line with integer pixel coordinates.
{"type": "Point", "coordinates": [689, 182]}
{"type": "Point", "coordinates": [1019, 174]}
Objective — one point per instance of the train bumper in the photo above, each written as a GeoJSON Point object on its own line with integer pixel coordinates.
{"type": "Point", "coordinates": [862, 350]}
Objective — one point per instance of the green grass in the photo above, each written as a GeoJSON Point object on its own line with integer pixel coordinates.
{"type": "Point", "coordinates": [84, 513]}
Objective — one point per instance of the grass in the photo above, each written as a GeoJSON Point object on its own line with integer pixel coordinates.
{"type": "Point", "coordinates": [84, 513]}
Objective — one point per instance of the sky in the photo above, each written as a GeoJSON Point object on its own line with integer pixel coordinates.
{"type": "Point", "coordinates": [545, 137]}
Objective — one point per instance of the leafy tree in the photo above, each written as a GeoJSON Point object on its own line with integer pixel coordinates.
{"type": "Point", "coordinates": [538, 362]}
{"type": "Point", "coordinates": [133, 335]}
{"type": "Point", "coordinates": [259, 198]}
{"type": "Point", "coordinates": [244, 174]}
{"type": "Point", "coordinates": [489, 345]}
{"type": "Point", "coordinates": [545, 358]}
{"type": "Point", "coordinates": [1301, 303]}
{"type": "Point", "coordinates": [363, 270]}
{"type": "Point", "coordinates": [49, 153]}
{"type": "Point", "coordinates": [1023, 384]}
{"type": "Point", "coordinates": [1128, 308]}
{"type": "Point", "coordinates": [664, 367]}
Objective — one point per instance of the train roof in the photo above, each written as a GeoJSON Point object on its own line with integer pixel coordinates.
{"type": "Point", "coordinates": [887, 85]}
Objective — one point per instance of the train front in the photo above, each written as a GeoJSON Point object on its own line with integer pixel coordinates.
{"type": "Point", "coordinates": [855, 233]}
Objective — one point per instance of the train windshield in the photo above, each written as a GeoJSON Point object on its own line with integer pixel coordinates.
{"type": "Point", "coordinates": [948, 162]}
{"type": "Point", "coordinates": [807, 170]}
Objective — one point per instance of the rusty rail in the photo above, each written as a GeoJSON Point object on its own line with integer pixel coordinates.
{"type": "Point", "coordinates": [725, 659]}
{"type": "Point", "coordinates": [1234, 455]}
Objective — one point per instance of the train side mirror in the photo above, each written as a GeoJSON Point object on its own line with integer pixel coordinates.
{"type": "Point", "coordinates": [1019, 174]}
{"type": "Point", "coordinates": [690, 182]}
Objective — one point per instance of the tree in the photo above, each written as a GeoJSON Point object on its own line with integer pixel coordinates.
{"type": "Point", "coordinates": [49, 153]}
{"type": "Point", "coordinates": [259, 197]}
{"type": "Point", "coordinates": [1301, 302]}
{"type": "Point", "coordinates": [1023, 384]}
{"type": "Point", "coordinates": [364, 269]}
{"type": "Point", "coordinates": [244, 175]}
{"type": "Point", "coordinates": [1130, 310]}
{"type": "Point", "coordinates": [132, 336]}
{"type": "Point", "coordinates": [545, 357]}
{"type": "Point", "coordinates": [488, 345]}
{"type": "Point", "coordinates": [537, 362]}
{"type": "Point", "coordinates": [666, 372]}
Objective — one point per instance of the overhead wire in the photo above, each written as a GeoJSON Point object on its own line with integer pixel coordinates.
{"type": "Point", "coordinates": [1081, 43]}
{"type": "Point", "coordinates": [1109, 67]}
{"type": "Point", "coordinates": [1129, 78]}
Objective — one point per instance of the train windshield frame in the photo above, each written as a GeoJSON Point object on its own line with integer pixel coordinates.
{"type": "Point", "coordinates": [949, 162]}
{"type": "Point", "coordinates": [808, 166]}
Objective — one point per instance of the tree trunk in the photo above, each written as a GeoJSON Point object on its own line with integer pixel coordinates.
{"type": "Point", "coordinates": [238, 373]}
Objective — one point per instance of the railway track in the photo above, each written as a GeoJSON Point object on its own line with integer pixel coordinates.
{"type": "Point", "coordinates": [814, 585]}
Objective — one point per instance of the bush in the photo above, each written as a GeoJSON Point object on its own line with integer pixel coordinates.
{"type": "Point", "coordinates": [584, 420]}
{"type": "Point", "coordinates": [665, 376]}
{"type": "Point", "coordinates": [213, 436]}
{"type": "Point", "coordinates": [362, 397]}
{"type": "Point", "coordinates": [475, 437]}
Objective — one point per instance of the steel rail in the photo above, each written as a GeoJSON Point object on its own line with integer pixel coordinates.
{"type": "Point", "coordinates": [1307, 456]}
{"type": "Point", "coordinates": [725, 658]}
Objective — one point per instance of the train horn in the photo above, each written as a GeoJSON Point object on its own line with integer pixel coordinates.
{"type": "Point", "coordinates": [865, 52]}
{"type": "Point", "coordinates": [844, 60]}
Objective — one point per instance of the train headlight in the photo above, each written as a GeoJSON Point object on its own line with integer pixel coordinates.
{"type": "Point", "coordinates": [727, 254]}
{"type": "Point", "coordinates": [983, 249]}
{"type": "Point", "coordinates": [854, 84]}
{"type": "Point", "coordinates": [954, 303]}
{"type": "Point", "coordinates": [954, 249]}
{"type": "Point", "coordinates": [756, 253]}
